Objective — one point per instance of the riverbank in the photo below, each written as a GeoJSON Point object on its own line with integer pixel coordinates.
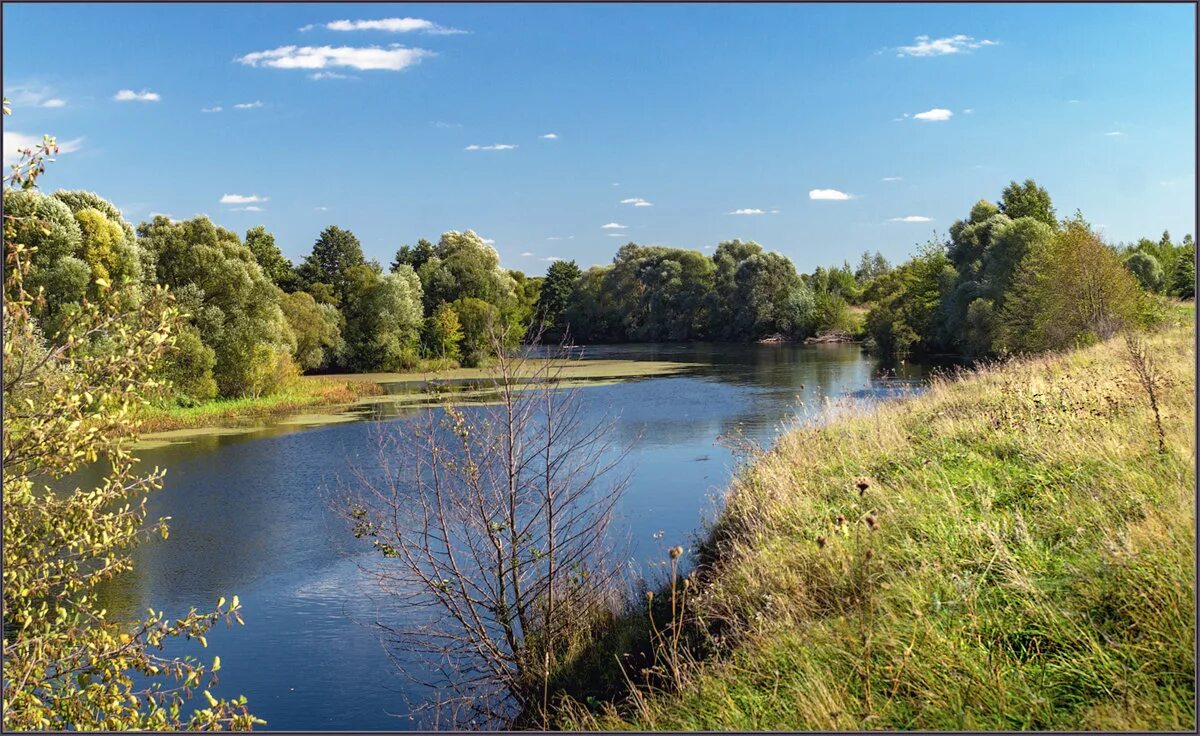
{"type": "Point", "coordinates": [303, 393]}
{"type": "Point", "coordinates": [1009, 551]}
{"type": "Point", "coordinates": [354, 389]}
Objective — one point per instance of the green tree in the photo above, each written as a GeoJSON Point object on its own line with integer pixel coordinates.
{"type": "Point", "coordinates": [462, 265]}
{"type": "Point", "coordinates": [1028, 200]}
{"type": "Point", "coordinates": [479, 321]}
{"type": "Point", "coordinates": [383, 319]}
{"type": "Point", "coordinates": [228, 298]}
{"type": "Point", "coordinates": [906, 303]}
{"type": "Point", "coordinates": [187, 369]}
{"type": "Point", "coordinates": [67, 664]}
{"type": "Point", "coordinates": [1183, 279]}
{"type": "Point", "coordinates": [334, 253]}
{"type": "Point", "coordinates": [317, 328]}
{"type": "Point", "coordinates": [555, 293]}
{"type": "Point", "coordinates": [271, 259]}
{"type": "Point", "coordinates": [444, 333]}
{"type": "Point", "coordinates": [1073, 289]}
{"type": "Point", "coordinates": [413, 256]}
{"type": "Point", "coordinates": [1146, 269]}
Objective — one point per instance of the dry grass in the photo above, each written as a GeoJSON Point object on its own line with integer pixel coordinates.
{"type": "Point", "coordinates": [1029, 564]}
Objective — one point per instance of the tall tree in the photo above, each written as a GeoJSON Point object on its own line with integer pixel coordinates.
{"type": "Point", "coordinates": [274, 264]}
{"type": "Point", "coordinates": [1028, 200]}
{"type": "Point", "coordinates": [333, 255]}
{"type": "Point", "coordinates": [555, 292]}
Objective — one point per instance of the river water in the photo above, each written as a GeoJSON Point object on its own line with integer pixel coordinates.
{"type": "Point", "coordinates": [254, 514]}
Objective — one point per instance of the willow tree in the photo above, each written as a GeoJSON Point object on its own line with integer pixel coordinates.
{"type": "Point", "coordinates": [67, 663]}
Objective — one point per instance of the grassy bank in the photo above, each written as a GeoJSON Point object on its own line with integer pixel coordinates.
{"type": "Point", "coordinates": [302, 393]}
{"type": "Point", "coordinates": [1009, 551]}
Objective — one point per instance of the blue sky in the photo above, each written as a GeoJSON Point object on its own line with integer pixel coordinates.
{"type": "Point", "coordinates": [910, 111]}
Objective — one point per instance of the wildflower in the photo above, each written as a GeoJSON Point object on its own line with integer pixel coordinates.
{"type": "Point", "coordinates": [649, 596]}
{"type": "Point", "coordinates": [821, 542]}
{"type": "Point", "coordinates": [840, 520]}
{"type": "Point", "coordinates": [870, 553]}
{"type": "Point", "coordinates": [676, 552]}
{"type": "Point", "coordinates": [863, 484]}
{"type": "Point", "coordinates": [872, 524]}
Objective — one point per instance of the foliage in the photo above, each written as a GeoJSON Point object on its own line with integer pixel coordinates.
{"type": "Point", "coordinates": [906, 303]}
{"type": "Point", "coordinates": [443, 333]}
{"type": "Point", "coordinates": [187, 369]}
{"type": "Point", "coordinates": [317, 328]}
{"type": "Point", "coordinates": [67, 665]}
{"type": "Point", "coordinates": [1028, 200]}
{"type": "Point", "coordinates": [1071, 290]}
{"type": "Point", "coordinates": [383, 318]}
{"type": "Point", "coordinates": [1146, 269]}
{"type": "Point", "coordinates": [463, 266]}
{"type": "Point", "coordinates": [414, 256]}
{"type": "Point", "coordinates": [229, 300]}
{"type": "Point", "coordinates": [271, 259]}
{"type": "Point", "coordinates": [479, 320]}
{"type": "Point", "coordinates": [334, 254]}
{"type": "Point", "coordinates": [1183, 277]}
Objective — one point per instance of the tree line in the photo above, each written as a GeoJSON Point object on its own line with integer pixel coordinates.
{"type": "Point", "coordinates": [1011, 277]}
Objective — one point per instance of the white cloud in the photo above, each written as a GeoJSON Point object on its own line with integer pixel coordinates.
{"type": "Point", "coordinates": [1073, 102]}
{"type": "Point", "coordinates": [616, 235]}
{"type": "Point", "coordinates": [242, 198]}
{"type": "Point", "coordinates": [23, 96]}
{"type": "Point", "coordinates": [637, 202]}
{"type": "Point", "coordinates": [937, 114]}
{"type": "Point", "coordinates": [488, 241]}
{"type": "Point", "coordinates": [912, 218]}
{"type": "Point", "coordinates": [321, 208]}
{"type": "Point", "coordinates": [1114, 133]}
{"type": "Point", "coordinates": [440, 124]}
{"type": "Point", "coordinates": [217, 108]}
{"type": "Point", "coordinates": [248, 208]}
{"type": "Point", "coordinates": [15, 142]}
{"type": "Point", "coordinates": [550, 136]}
{"type": "Point", "coordinates": [828, 194]}
{"type": "Point", "coordinates": [526, 254]}
{"type": "Point", "coordinates": [926, 46]}
{"type": "Point", "coordinates": [390, 25]}
{"type": "Point", "coordinates": [613, 226]}
{"type": "Point", "coordinates": [550, 258]}
{"type": "Point", "coordinates": [616, 183]}
{"type": "Point", "coordinates": [748, 211]}
{"type": "Point", "coordinates": [493, 147]}
{"type": "Point", "coordinates": [364, 58]}
{"type": "Point", "coordinates": [968, 111]}
{"type": "Point", "coordinates": [128, 95]}
{"type": "Point", "coordinates": [330, 75]}
{"type": "Point", "coordinates": [891, 178]}
{"type": "Point", "coordinates": [248, 105]}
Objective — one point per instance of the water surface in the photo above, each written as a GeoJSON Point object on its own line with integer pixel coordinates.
{"type": "Point", "coordinates": [253, 514]}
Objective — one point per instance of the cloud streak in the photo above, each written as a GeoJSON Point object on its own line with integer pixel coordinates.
{"type": "Point", "coordinates": [924, 46]}
{"type": "Point", "coordinates": [637, 202]}
{"type": "Point", "coordinates": [749, 211]}
{"type": "Point", "coordinates": [911, 218]}
{"type": "Point", "coordinates": [394, 58]}
{"type": "Point", "coordinates": [242, 198]}
{"type": "Point", "coordinates": [389, 25]}
{"type": "Point", "coordinates": [128, 95]}
{"type": "Point", "coordinates": [493, 147]}
{"type": "Point", "coordinates": [248, 105]}
{"type": "Point", "coordinates": [828, 194]}
{"type": "Point", "coordinates": [936, 115]}
{"type": "Point", "coordinates": [613, 226]}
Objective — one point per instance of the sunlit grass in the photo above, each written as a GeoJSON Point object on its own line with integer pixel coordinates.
{"type": "Point", "coordinates": [1031, 566]}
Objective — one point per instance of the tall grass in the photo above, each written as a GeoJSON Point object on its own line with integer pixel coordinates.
{"type": "Point", "coordinates": [1009, 551]}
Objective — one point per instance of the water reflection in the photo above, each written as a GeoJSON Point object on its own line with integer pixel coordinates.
{"type": "Point", "coordinates": [253, 514]}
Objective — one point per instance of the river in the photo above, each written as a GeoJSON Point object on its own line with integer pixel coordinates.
{"type": "Point", "coordinates": [253, 514]}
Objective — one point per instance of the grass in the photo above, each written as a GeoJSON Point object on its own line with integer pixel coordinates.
{"type": "Point", "coordinates": [301, 393]}
{"type": "Point", "coordinates": [1028, 564]}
